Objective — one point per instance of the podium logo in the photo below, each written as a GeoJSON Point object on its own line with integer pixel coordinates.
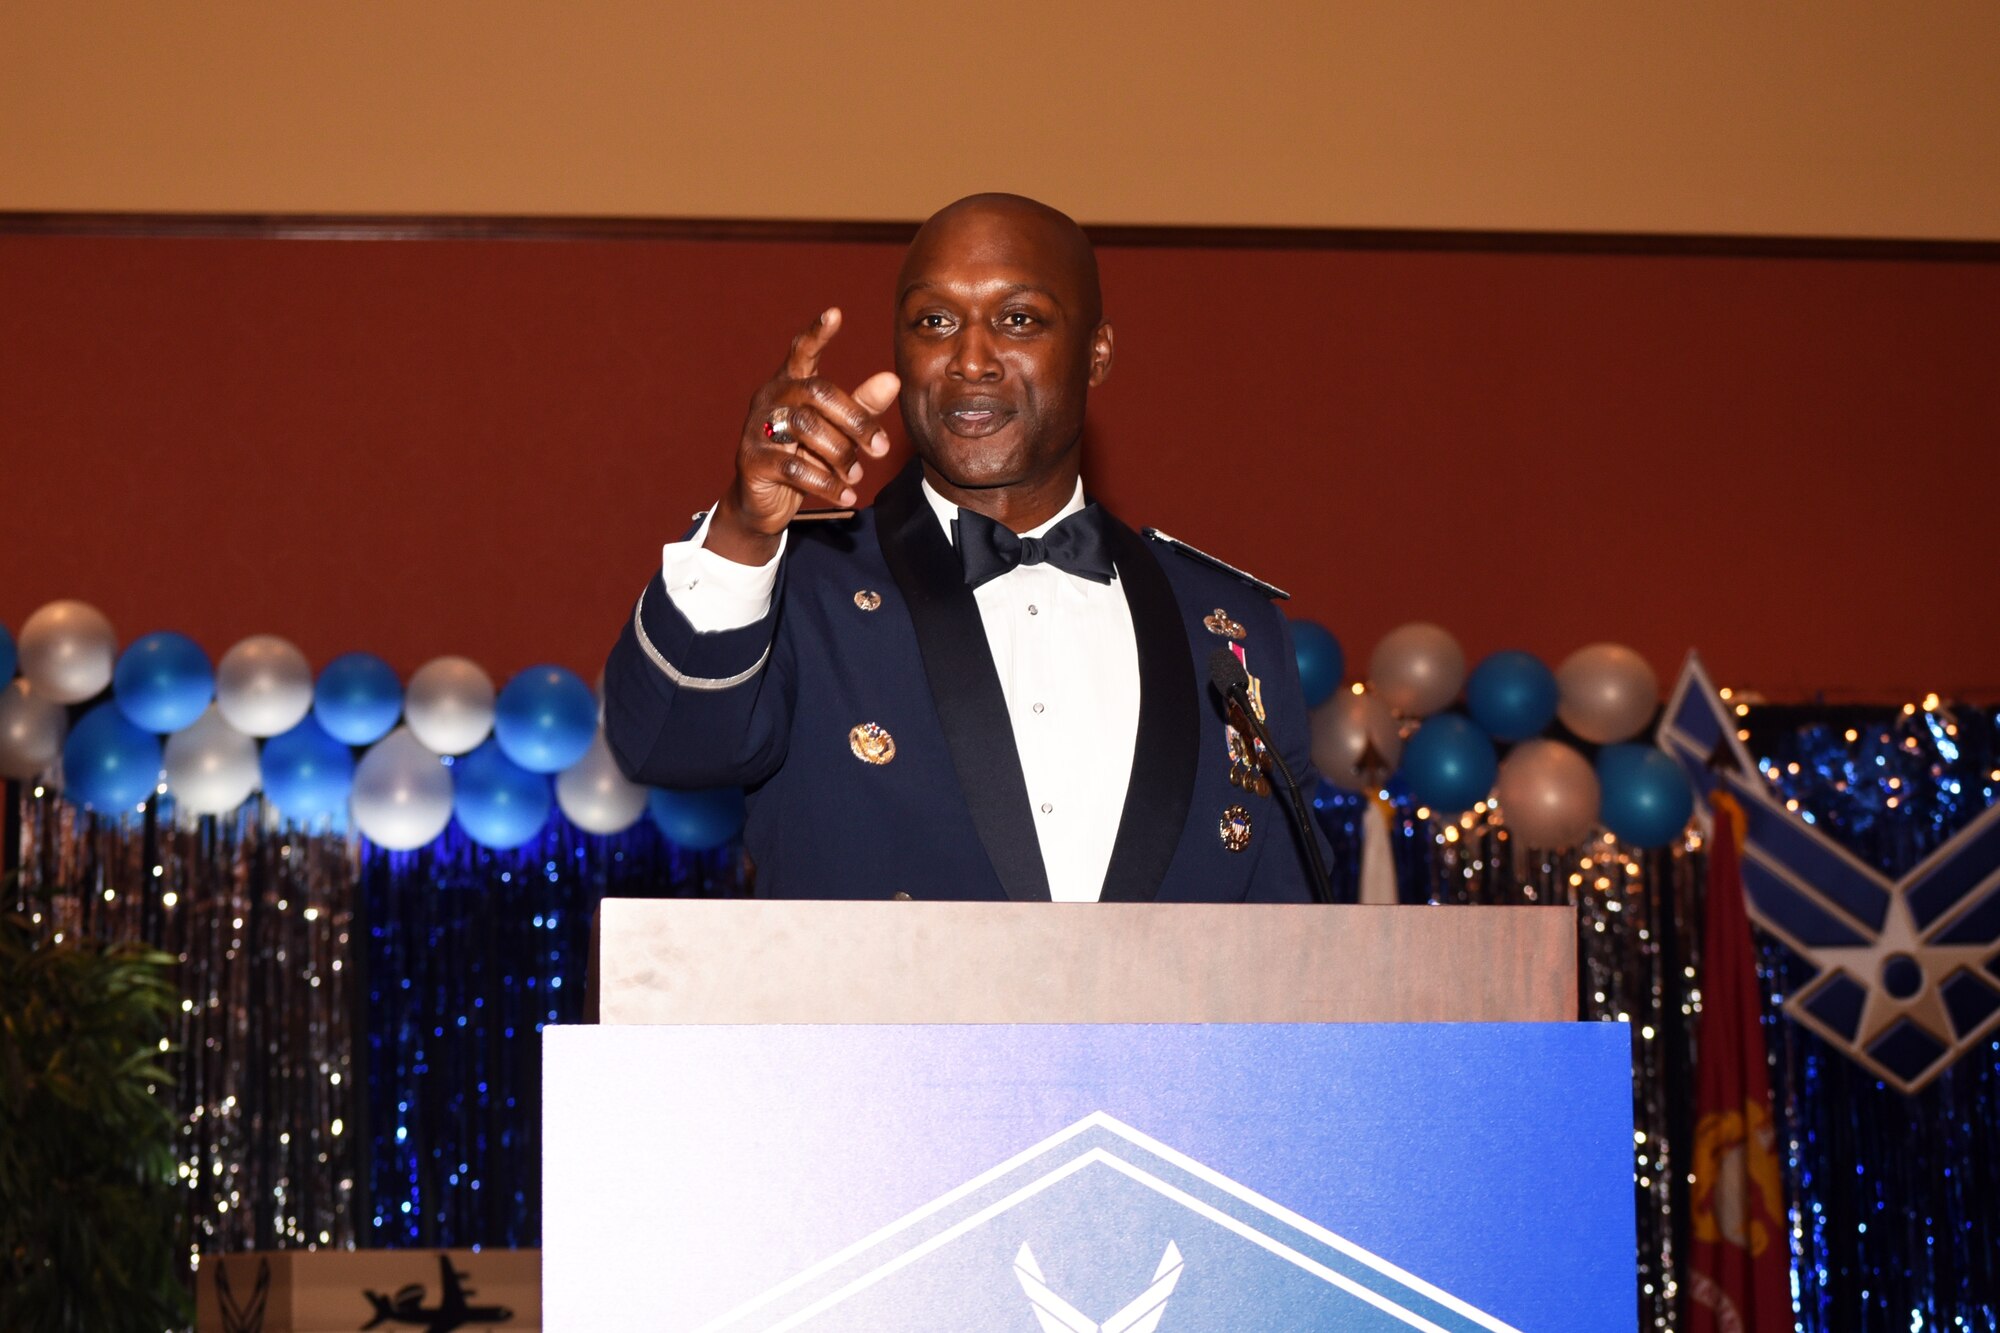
{"type": "Point", "coordinates": [1074, 1224]}
{"type": "Point", "coordinates": [1057, 1315]}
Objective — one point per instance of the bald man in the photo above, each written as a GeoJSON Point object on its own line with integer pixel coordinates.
{"type": "Point", "coordinates": [983, 685]}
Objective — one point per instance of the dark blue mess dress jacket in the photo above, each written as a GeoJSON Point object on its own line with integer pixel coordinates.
{"type": "Point", "coordinates": [773, 707]}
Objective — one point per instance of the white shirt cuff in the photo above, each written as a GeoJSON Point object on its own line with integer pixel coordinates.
{"type": "Point", "coordinates": [712, 591]}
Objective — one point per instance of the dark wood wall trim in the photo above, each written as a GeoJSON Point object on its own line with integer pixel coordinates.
{"type": "Point", "coordinates": [359, 227]}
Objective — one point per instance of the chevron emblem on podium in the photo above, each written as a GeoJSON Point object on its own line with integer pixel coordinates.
{"type": "Point", "coordinates": [1089, 1195]}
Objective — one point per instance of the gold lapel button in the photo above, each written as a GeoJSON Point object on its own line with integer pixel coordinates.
{"type": "Point", "coordinates": [872, 743]}
{"type": "Point", "coordinates": [868, 599]}
{"type": "Point", "coordinates": [1235, 828]}
{"type": "Point", "coordinates": [1218, 622]}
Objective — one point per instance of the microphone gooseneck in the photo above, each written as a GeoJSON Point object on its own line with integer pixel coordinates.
{"type": "Point", "coordinates": [1232, 681]}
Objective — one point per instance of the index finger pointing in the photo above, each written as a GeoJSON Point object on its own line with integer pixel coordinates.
{"type": "Point", "coordinates": [802, 362]}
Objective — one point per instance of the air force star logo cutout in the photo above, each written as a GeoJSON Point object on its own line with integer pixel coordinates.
{"type": "Point", "coordinates": [1057, 1315]}
{"type": "Point", "coordinates": [1908, 970]}
{"type": "Point", "coordinates": [1090, 1197]}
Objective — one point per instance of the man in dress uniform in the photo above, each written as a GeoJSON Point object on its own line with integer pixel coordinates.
{"type": "Point", "coordinates": [984, 685]}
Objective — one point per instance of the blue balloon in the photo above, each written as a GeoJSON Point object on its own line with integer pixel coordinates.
{"type": "Point", "coordinates": [357, 699]}
{"type": "Point", "coordinates": [9, 657]}
{"type": "Point", "coordinates": [109, 764]}
{"type": "Point", "coordinates": [163, 682]}
{"type": "Point", "coordinates": [699, 821]}
{"type": "Point", "coordinates": [545, 719]}
{"type": "Point", "coordinates": [497, 802]}
{"type": "Point", "coordinates": [1449, 764]}
{"type": "Point", "coordinates": [1512, 695]}
{"type": "Point", "coordinates": [1321, 663]}
{"type": "Point", "coordinates": [308, 774]}
{"type": "Point", "coordinates": [1646, 797]}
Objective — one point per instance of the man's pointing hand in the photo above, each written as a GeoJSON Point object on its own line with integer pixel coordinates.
{"type": "Point", "coordinates": [820, 463]}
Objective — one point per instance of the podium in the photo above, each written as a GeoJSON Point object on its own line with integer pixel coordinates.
{"type": "Point", "coordinates": [1132, 1118]}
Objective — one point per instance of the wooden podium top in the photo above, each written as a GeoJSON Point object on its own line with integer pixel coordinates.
{"type": "Point", "coordinates": [756, 961]}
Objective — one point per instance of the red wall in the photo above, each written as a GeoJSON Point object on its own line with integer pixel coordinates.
{"type": "Point", "coordinates": [425, 447]}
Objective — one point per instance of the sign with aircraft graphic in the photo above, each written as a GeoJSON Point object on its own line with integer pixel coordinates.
{"type": "Point", "coordinates": [1089, 1179]}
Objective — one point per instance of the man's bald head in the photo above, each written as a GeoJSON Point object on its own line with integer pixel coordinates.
{"type": "Point", "coordinates": [1022, 231]}
{"type": "Point", "coordinates": [1000, 337]}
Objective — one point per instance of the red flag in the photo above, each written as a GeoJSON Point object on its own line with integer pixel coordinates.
{"type": "Point", "coordinates": [1739, 1266]}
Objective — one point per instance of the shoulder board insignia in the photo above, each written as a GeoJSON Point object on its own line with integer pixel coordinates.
{"type": "Point", "coordinates": [1194, 553]}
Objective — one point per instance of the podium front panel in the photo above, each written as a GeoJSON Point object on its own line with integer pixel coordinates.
{"type": "Point", "coordinates": [746, 961]}
{"type": "Point", "coordinates": [1133, 1178]}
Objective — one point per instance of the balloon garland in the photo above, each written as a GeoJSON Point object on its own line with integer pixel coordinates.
{"type": "Point", "coordinates": [450, 746]}
{"type": "Point", "coordinates": [355, 749]}
{"type": "Point", "coordinates": [1569, 767]}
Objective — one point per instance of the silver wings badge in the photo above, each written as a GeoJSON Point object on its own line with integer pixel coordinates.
{"type": "Point", "coordinates": [1057, 1315]}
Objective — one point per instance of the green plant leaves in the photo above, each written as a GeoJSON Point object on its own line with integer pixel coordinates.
{"type": "Point", "coordinates": [90, 1221]}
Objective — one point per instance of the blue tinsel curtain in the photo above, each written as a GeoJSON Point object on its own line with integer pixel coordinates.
{"type": "Point", "coordinates": [421, 980]}
{"type": "Point", "coordinates": [470, 953]}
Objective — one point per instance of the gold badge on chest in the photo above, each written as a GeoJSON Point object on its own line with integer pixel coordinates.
{"type": "Point", "coordinates": [1218, 622]}
{"type": "Point", "coordinates": [872, 743]}
{"type": "Point", "coordinates": [1235, 828]}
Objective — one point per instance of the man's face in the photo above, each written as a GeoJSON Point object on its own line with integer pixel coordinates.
{"type": "Point", "coordinates": [998, 344]}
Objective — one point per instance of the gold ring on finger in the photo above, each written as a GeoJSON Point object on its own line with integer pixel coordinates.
{"type": "Point", "coordinates": [777, 426]}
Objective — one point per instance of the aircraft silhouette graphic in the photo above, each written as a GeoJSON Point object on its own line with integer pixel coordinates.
{"type": "Point", "coordinates": [407, 1305]}
{"type": "Point", "coordinates": [243, 1316]}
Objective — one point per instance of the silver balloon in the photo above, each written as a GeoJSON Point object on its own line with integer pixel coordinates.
{"type": "Point", "coordinates": [1355, 744]}
{"type": "Point", "coordinates": [264, 686]}
{"type": "Point", "coordinates": [1417, 669]}
{"type": "Point", "coordinates": [449, 704]}
{"type": "Point", "coordinates": [32, 727]}
{"type": "Point", "coordinates": [211, 766]}
{"type": "Point", "coordinates": [68, 651]}
{"type": "Point", "coordinates": [1607, 693]}
{"type": "Point", "coordinates": [1548, 794]}
{"type": "Point", "coordinates": [597, 797]}
{"type": "Point", "coordinates": [402, 793]}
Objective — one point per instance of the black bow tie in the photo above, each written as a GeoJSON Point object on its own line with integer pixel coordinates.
{"type": "Point", "coordinates": [1076, 546]}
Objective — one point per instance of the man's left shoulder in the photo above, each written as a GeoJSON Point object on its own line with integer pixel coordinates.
{"type": "Point", "coordinates": [1193, 568]}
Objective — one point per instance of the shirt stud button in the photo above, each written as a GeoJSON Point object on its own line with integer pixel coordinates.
{"type": "Point", "coordinates": [1034, 610]}
{"type": "Point", "coordinates": [1038, 708]}
{"type": "Point", "coordinates": [1048, 809]}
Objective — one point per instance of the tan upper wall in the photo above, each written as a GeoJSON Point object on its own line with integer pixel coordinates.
{"type": "Point", "coordinates": [1832, 119]}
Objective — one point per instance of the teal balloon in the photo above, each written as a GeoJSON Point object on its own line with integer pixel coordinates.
{"type": "Point", "coordinates": [545, 718]}
{"type": "Point", "coordinates": [358, 699]}
{"type": "Point", "coordinates": [108, 763]}
{"type": "Point", "coordinates": [308, 774]}
{"type": "Point", "coordinates": [1321, 663]}
{"type": "Point", "coordinates": [497, 802]}
{"type": "Point", "coordinates": [1449, 764]}
{"type": "Point", "coordinates": [1646, 797]}
{"type": "Point", "coordinates": [163, 682]}
{"type": "Point", "coordinates": [1512, 695]}
{"type": "Point", "coordinates": [10, 656]}
{"type": "Point", "coordinates": [698, 821]}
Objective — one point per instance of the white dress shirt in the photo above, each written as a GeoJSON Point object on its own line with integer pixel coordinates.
{"type": "Point", "coordinates": [1069, 668]}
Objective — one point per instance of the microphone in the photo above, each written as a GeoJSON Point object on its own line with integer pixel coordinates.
{"type": "Point", "coordinates": [1227, 674]}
